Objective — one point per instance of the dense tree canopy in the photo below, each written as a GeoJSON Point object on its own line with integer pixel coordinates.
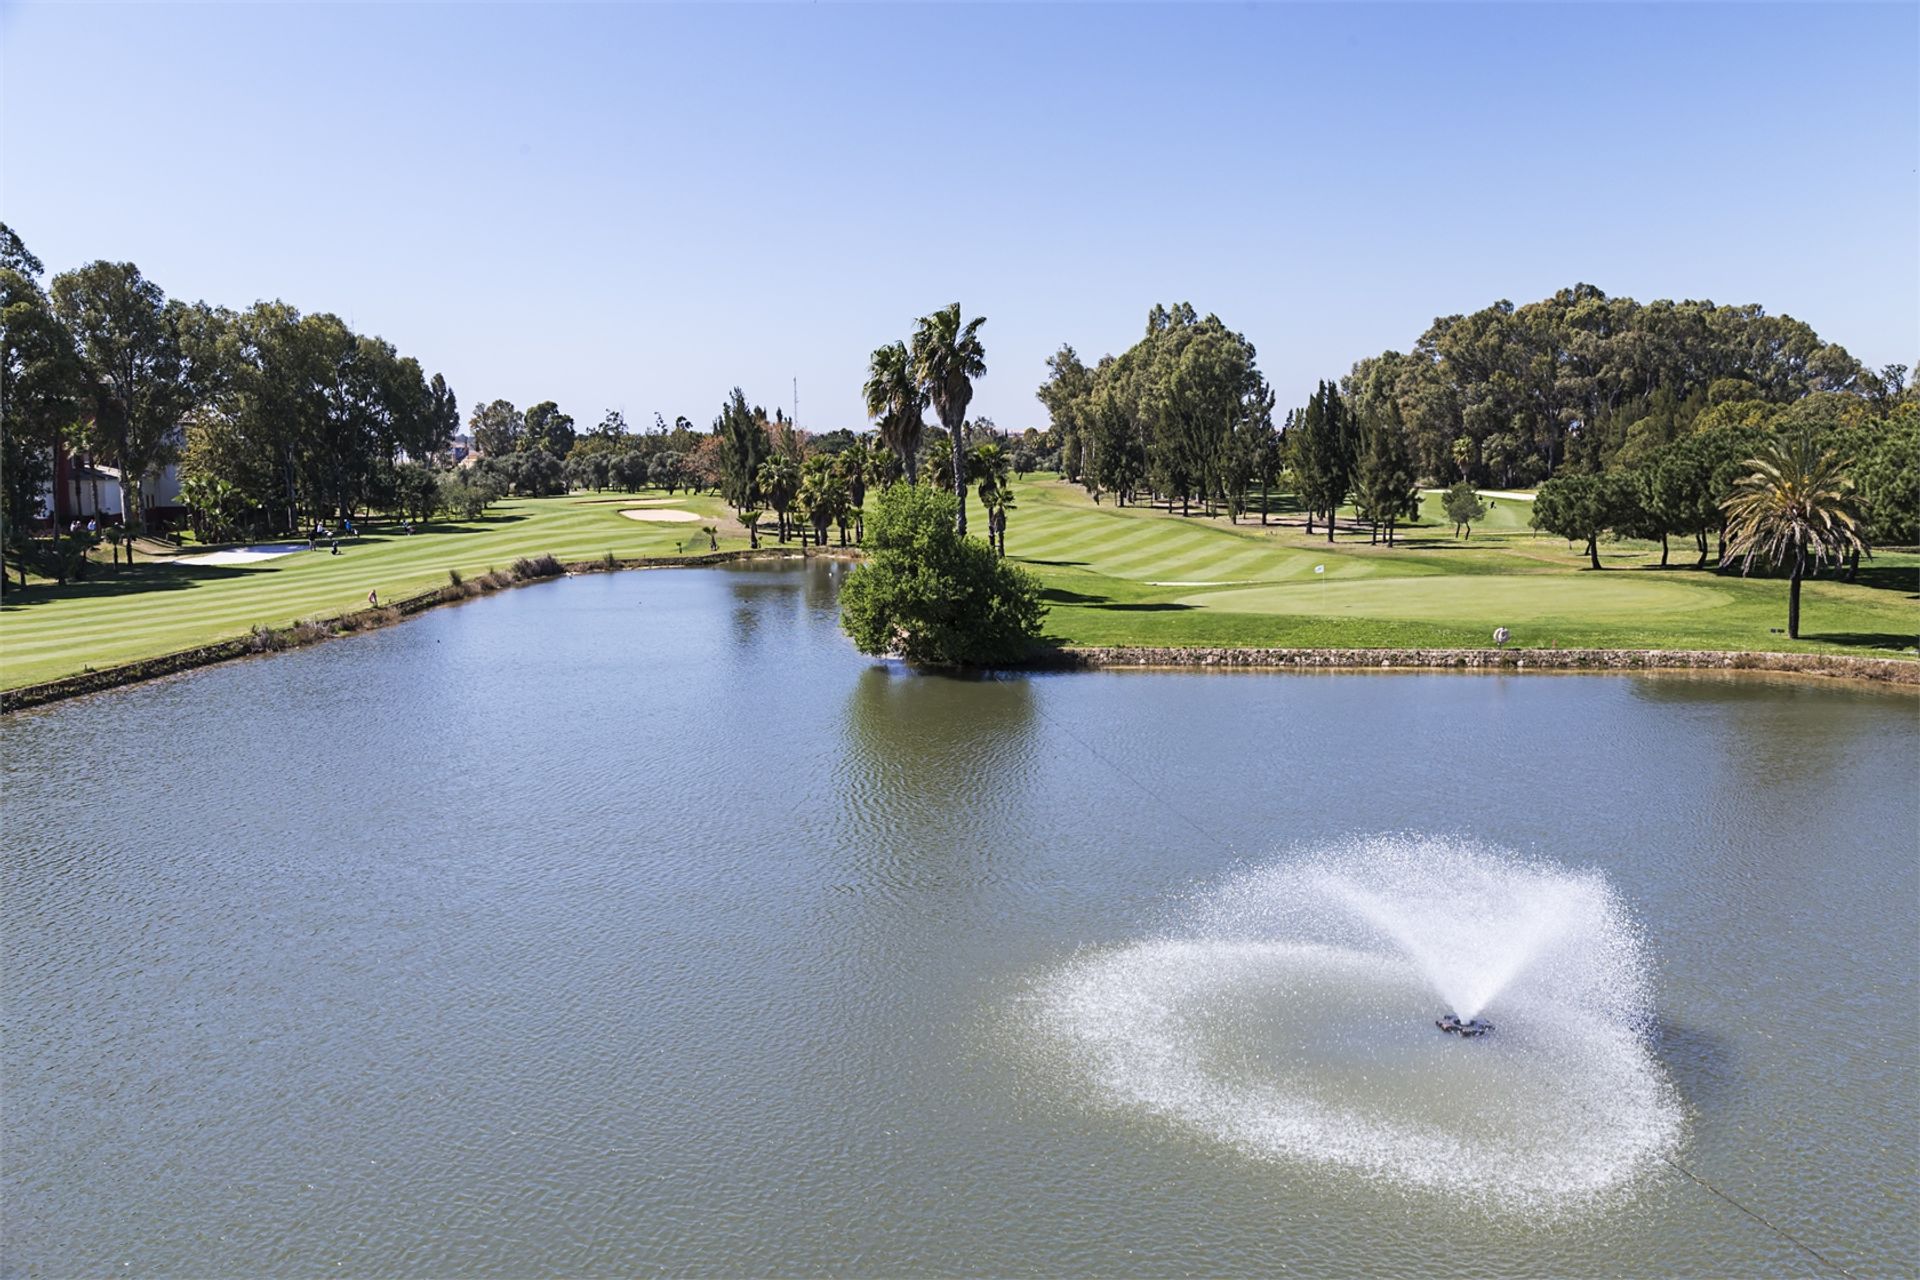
{"type": "Point", "coordinates": [1580, 376]}
{"type": "Point", "coordinates": [1183, 412]}
{"type": "Point", "coordinates": [929, 593]}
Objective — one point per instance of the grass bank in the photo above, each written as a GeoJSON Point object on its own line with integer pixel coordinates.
{"type": "Point", "coordinates": [1146, 577]}
{"type": "Point", "coordinates": [164, 606]}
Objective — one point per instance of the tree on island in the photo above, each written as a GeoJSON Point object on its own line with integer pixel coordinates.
{"type": "Point", "coordinates": [947, 356]}
{"type": "Point", "coordinates": [1794, 504]}
{"type": "Point", "coordinates": [930, 594]}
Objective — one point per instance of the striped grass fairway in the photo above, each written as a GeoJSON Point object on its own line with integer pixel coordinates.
{"type": "Point", "coordinates": [1133, 576]}
{"type": "Point", "coordinates": [1145, 576]}
{"type": "Point", "coordinates": [160, 607]}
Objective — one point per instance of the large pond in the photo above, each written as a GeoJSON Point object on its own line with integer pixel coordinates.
{"type": "Point", "coordinates": [634, 924]}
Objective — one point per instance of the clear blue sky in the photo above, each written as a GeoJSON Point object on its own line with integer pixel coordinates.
{"type": "Point", "coordinates": [639, 207]}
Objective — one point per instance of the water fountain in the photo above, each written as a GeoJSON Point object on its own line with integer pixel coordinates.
{"type": "Point", "coordinates": [1289, 1014]}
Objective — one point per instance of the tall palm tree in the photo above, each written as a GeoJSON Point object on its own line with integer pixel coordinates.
{"type": "Point", "coordinates": [947, 357]}
{"type": "Point", "coordinates": [895, 402]}
{"type": "Point", "coordinates": [1794, 503]}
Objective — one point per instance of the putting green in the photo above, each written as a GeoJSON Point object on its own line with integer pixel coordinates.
{"type": "Point", "coordinates": [1492, 600]}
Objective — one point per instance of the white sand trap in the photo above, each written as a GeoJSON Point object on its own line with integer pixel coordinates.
{"type": "Point", "coordinates": [664, 515]}
{"type": "Point", "coordinates": [245, 555]}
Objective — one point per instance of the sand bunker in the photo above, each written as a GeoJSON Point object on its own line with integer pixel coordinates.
{"type": "Point", "coordinates": [663, 515]}
{"type": "Point", "coordinates": [245, 555]}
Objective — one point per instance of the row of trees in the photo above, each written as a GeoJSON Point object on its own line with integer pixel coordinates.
{"type": "Point", "coordinates": [1184, 414]}
{"type": "Point", "coordinates": [1509, 395]}
{"type": "Point", "coordinates": [270, 412]}
{"type": "Point", "coordinates": [1638, 418]}
{"type": "Point", "coordinates": [1682, 488]}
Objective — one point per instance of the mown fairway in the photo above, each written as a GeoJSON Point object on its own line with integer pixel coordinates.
{"type": "Point", "coordinates": [1132, 576]}
{"type": "Point", "coordinates": [1144, 576]}
{"type": "Point", "coordinates": [159, 607]}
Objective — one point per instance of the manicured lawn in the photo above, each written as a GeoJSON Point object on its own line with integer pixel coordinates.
{"type": "Point", "coordinates": [160, 606]}
{"type": "Point", "coordinates": [1144, 576]}
{"type": "Point", "coordinates": [1112, 576]}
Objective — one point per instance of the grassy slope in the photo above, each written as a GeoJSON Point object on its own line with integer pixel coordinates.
{"type": "Point", "coordinates": [1146, 577]}
{"type": "Point", "coordinates": [158, 607]}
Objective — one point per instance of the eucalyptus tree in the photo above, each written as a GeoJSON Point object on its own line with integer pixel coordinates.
{"type": "Point", "coordinates": [138, 375]}
{"type": "Point", "coordinates": [548, 428]}
{"type": "Point", "coordinates": [1585, 376]}
{"type": "Point", "coordinates": [40, 389]}
{"type": "Point", "coordinates": [1794, 505]}
{"type": "Point", "coordinates": [1067, 395]}
{"type": "Point", "coordinates": [895, 402]}
{"type": "Point", "coordinates": [947, 356]}
{"type": "Point", "coordinates": [667, 470]}
{"type": "Point", "coordinates": [497, 428]}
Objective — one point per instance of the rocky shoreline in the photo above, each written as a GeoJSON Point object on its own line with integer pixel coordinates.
{"type": "Point", "coordinates": [1899, 671]}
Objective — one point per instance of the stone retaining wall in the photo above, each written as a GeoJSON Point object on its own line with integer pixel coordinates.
{"type": "Point", "coordinates": [1887, 670]}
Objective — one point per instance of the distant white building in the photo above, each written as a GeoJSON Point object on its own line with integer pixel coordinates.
{"type": "Point", "coordinates": [91, 491]}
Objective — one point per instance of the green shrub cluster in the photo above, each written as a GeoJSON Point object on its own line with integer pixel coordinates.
{"type": "Point", "coordinates": [931, 595]}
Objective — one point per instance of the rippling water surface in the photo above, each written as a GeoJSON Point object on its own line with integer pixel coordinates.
{"type": "Point", "coordinates": [634, 924]}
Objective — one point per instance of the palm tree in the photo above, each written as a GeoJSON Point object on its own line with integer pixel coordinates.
{"type": "Point", "coordinates": [947, 357]}
{"type": "Point", "coordinates": [1795, 502]}
{"type": "Point", "coordinates": [939, 460]}
{"type": "Point", "coordinates": [895, 402]}
{"type": "Point", "coordinates": [779, 478]}
{"type": "Point", "coordinates": [994, 471]}
{"type": "Point", "coordinates": [853, 468]}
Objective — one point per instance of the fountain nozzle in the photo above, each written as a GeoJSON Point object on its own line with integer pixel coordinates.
{"type": "Point", "coordinates": [1452, 1025]}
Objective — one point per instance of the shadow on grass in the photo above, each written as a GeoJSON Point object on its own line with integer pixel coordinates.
{"type": "Point", "coordinates": [1864, 639]}
{"type": "Point", "coordinates": [454, 526]}
{"type": "Point", "coordinates": [139, 580]}
{"type": "Point", "coordinates": [1060, 595]}
{"type": "Point", "coordinates": [1060, 564]}
{"type": "Point", "coordinates": [1905, 580]}
{"type": "Point", "coordinates": [1154, 607]}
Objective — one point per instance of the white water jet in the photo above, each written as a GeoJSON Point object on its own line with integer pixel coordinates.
{"type": "Point", "coordinates": [1290, 1014]}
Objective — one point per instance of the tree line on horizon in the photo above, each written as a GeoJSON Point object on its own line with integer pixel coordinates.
{"type": "Point", "coordinates": [1631, 419]}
